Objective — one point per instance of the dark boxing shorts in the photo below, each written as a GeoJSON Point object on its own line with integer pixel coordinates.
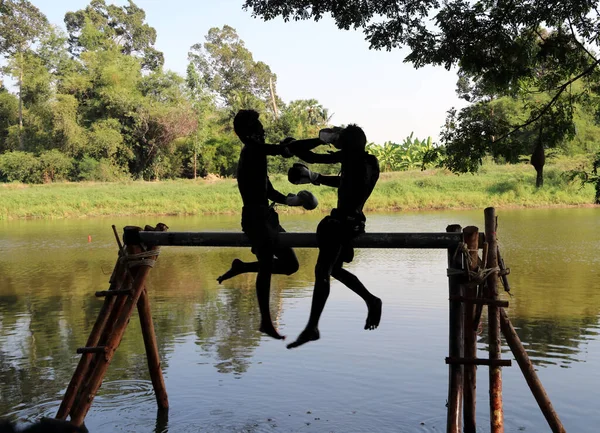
{"type": "Point", "coordinates": [261, 225]}
{"type": "Point", "coordinates": [340, 229]}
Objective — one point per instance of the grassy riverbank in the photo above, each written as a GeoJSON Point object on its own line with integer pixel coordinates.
{"type": "Point", "coordinates": [495, 185]}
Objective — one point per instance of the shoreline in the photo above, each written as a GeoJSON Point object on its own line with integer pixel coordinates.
{"type": "Point", "coordinates": [500, 186]}
{"type": "Point", "coordinates": [319, 212]}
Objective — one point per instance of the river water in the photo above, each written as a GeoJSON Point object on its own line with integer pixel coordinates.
{"type": "Point", "coordinates": [222, 375]}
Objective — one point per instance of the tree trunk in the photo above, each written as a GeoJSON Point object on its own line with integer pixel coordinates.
{"type": "Point", "coordinates": [273, 97]}
{"type": "Point", "coordinates": [21, 103]}
{"type": "Point", "coordinates": [539, 180]}
{"type": "Point", "coordinates": [538, 159]}
{"type": "Point", "coordinates": [195, 165]}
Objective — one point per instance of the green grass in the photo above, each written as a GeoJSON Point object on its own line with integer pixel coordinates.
{"type": "Point", "coordinates": [495, 185]}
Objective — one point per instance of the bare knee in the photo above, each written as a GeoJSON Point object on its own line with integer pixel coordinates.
{"type": "Point", "coordinates": [292, 267]}
{"type": "Point", "coordinates": [322, 273]}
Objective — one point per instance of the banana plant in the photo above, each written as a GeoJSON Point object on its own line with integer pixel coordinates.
{"type": "Point", "coordinates": [411, 154]}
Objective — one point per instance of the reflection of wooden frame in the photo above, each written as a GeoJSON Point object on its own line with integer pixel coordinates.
{"type": "Point", "coordinates": [473, 284]}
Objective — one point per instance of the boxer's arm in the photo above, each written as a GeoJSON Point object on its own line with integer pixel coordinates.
{"type": "Point", "coordinates": [333, 181]}
{"type": "Point", "coordinates": [274, 195]}
{"type": "Point", "coordinates": [320, 158]}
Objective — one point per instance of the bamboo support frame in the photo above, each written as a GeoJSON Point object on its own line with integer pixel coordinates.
{"type": "Point", "coordinates": [471, 240]}
{"type": "Point", "coordinates": [84, 362]}
{"type": "Point", "coordinates": [455, 336]}
{"type": "Point", "coordinates": [158, 381]}
{"type": "Point", "coordinates": [495, 347]}
{"type": "Point", "coordinates": [114, 313]}
{"type": "Point", "coordinates": [108, 331]}
{"type": "Point", "coordinates": [127, 290]}
{"type": "Point", "coordinates": [140, 273]}
{"type": "Point", "coordinates": [537, 389]}
{"type": "Point", "coordinates": [300, 240]}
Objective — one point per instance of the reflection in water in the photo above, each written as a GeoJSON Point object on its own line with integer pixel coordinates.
{"type": "Point", "coordinates": [223, 375]}
{"type": "Point", "coordinates": [556, 341]}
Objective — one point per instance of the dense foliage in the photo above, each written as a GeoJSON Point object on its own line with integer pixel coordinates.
{"type": "Point", "coordinates": [96, 104]}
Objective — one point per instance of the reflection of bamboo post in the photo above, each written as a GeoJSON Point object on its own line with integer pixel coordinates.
{"type": "Point", "coordinates": [140, 272]}
{"type": "Point", "coordinates": [514, 342]}
{"type": "Point", "coordinates": [86, 358]}
{"type": "Point", "coordinates": [455, 382]}
{"type": "Point", "coordinates": [496, 410]}
{"type": "Point", "coordinates": [471, 237]}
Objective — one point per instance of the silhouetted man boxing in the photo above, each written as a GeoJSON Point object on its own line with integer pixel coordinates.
{"type": "Point", "coordinates": [260, 222]}
{"type": "Point", "coordinates": [359, 174]}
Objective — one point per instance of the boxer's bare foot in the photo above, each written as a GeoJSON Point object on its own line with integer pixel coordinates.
{"type": "Point", "coordinates": [236, 268]}
{"type": "Point", "coordinates": [304, 337]}
{"type": "Point", "coordinates": [269, 329]}
{"type": "Point", "coordinates": [374, 315]}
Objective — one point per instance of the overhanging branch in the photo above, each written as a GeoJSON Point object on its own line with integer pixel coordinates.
{"type": "Point", "coordinates": [561, 89]}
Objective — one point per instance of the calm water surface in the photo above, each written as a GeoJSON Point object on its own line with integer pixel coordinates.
{"type": "Point", "coordinates": [223, 376]}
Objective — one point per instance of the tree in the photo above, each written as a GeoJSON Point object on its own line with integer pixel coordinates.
{"type": "Point", "coordinates": [488, 127]}
{"type": "Point", "coordinates": [156, 128]}
{"type": "Point", "coordinates": [228, 69]}
{"type": "Point", "coordinates": [501, 48]}
{"type": "Point", "coordinates": [204, 107]}
{"type": "Point", "coordinates": [9, 114]}
{"type": "Point", "coordinates": [102, 26]}
{"type": "Point", "coordinates": [21, 26]}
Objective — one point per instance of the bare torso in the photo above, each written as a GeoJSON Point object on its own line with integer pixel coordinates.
{"type": "Point", "coordinates": [358, 179]}
{"type": "Point", "coordinates": [252, 176]}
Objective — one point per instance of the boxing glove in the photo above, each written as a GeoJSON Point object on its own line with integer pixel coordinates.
{"type": "Point", "coordinates": [299, 174]}
{"type": "Point", "coordinates": [309, 201]}
{"type": "Point", "coordinates": [304, 198]}
{"type": "Point", "coordinates": [330, 135]}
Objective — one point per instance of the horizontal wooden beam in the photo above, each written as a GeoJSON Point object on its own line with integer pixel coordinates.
{"type": "Point", "coordinates": [480, 301]}
{"type": "Point", "coordinates": [297, 240]}
{"type": "Point", "coordinates": [480, 361]}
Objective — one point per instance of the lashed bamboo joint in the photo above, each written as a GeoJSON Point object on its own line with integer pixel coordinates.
{"type": "Point", "coordinates": [472, 284]}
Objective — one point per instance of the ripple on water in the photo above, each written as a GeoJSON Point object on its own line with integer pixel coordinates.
{"type": "Point", "coordinates": [118, 393]}
{"type": "Point", "coordinates": [28, 413]}
{"type": "Point", "coordinates": [113, 395]}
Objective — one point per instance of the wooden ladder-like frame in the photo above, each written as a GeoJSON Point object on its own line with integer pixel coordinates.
{"type": "Point", "coordinates": [127, 290]}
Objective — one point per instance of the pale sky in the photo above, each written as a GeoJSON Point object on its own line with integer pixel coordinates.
{"type": "Point", "coordinates": [375, 89]}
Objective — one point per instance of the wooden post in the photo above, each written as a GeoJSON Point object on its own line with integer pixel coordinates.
{"type": "Point", "coordinates": [140, 273]}
{"type": "Point", "coordinates": [471, 238]}
{"type": "Point", "coordinates": [455, 336]}
{"type": "Point", "coordinates": [111, 318]}
{"type": "Point", "coordinates": [158, 382]}
{"type": "Point", "coordinates": [496, 410]}
{"type": "Point", "coordinates": [514, 342]}
{"type": "Point", "coordinates": [82, 369]}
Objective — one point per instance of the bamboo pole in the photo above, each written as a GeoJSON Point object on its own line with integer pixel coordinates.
{"type": "Point", "coordinates": [82, 369]}
{"type": "Point", "coordinates": [543, 401]}
{"type": "Point", "coordinates": [140, 273]}
{"type": "Point", "coordinates": [495, 375]}
{"type": "Point", "coordinates": [455, 337]}
{"type": "Point", "coordinates": [302, 240]}
{"type": "Point", "coordinates": [471, 238]}
{"type": "Point", "coordinates": [158, 381]}
{"type": "Point", "coordinates": [111, 318]}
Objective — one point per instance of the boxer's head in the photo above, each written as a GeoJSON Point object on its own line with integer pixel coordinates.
{"type": "Point", "coordinates": [248, 128]}
{"type": "Point", "coordinates": [352, 139]}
